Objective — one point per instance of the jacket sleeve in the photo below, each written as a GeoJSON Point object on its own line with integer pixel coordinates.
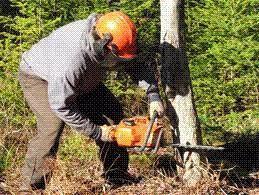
{"type": "Point", "coordinates": [143, 72]}
{"type": "Point", "coordinates": [62, 92]}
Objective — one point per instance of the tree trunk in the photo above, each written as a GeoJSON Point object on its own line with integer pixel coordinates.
{"type": "Point", "coordinates": [175, 77]}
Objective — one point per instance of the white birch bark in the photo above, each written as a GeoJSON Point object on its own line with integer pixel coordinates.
{"type": "Point", "coordinates": [176, 80]}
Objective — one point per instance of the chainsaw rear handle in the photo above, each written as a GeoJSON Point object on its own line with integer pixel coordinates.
{"type": "Point", "coordinates": [149, 128]}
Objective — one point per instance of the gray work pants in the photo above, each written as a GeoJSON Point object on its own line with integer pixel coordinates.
{"type": "Point", "coordinates": [42, 149]}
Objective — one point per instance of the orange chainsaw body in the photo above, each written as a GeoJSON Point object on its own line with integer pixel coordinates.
{"type": "Point", "coordinates": [132, 132]}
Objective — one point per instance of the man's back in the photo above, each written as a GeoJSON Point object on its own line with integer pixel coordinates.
{"type": "Point", "coordinates": [60, 50]}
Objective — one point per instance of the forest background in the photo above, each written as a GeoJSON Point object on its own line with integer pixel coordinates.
{"type": "Point", "coordinates": [222, 43]}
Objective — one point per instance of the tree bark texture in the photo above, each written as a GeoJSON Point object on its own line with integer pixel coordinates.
{"type": "Point", "coordinates": [175, 77]}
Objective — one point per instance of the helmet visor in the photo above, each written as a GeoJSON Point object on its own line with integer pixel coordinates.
{"type": "Point", "coordinates": [113, 62]}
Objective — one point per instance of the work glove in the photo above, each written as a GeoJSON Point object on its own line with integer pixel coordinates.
{"type": "Point", "coordinates": [108, 133]}
{"type": "Point", "coordinates": [156, 106]}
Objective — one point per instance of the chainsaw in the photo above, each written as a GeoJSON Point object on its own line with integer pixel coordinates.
{"type": "Point", "coordinates": [140, 134]}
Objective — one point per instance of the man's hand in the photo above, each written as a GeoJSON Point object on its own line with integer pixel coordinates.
{"type": "Point", "coordinates": [158, 106]}
{"type": "Point", "coordinates": [108, 133]}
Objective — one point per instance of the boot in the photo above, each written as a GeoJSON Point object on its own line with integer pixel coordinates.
{"type": "Point", "coordinates": [117, 178]}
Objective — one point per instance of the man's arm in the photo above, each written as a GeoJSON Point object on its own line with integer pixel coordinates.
{"type": "Point", "coordinates": [62, 92]}
{"type": "Point", "coordinates": [143, 71]}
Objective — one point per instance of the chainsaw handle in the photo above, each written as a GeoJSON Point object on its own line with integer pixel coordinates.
{"type": "Point", "coordinates": [149, 128]}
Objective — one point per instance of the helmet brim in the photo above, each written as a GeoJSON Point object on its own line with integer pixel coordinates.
{"type": "Point", "coordinates": [126, 58]}
{"type": "Point", "coordinates": [122, 57]}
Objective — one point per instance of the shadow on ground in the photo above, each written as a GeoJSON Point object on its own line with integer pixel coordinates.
{"type": "Point", "coordinates": [243, 153]}
{"type": "Point", "coordinates": [237, 164]}
{"type": "Point", "coordinates": [240, 159]}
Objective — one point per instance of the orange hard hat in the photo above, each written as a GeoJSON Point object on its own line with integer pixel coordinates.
{"type": "Point", "coordinates": [123, 32]}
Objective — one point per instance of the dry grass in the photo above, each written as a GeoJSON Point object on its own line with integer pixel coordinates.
{"type": "Point", "coordinates": [78, 178]}
{"type": "Point", "coordinates": [77, 175]}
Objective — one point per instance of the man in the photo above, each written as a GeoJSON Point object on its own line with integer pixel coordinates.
{"type": "Point", "coordinates": [61, 77]}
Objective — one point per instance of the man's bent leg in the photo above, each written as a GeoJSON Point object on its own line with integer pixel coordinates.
{"type": "Point", "coordinates": [43, 147]}
{"type": "Point", "coordinates": [102, 107]}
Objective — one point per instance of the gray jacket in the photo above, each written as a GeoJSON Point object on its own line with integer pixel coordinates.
{"type": "Point", "coordinates": [67, 61]}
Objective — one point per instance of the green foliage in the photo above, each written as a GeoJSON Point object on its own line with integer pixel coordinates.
{"type": "Point", "coordinates": [75, 146]}
{"type": "Point", "coordinates": [132, 98]}
{"type": "Point", "coordinates": [229, 127]}
{"type": "Point", "coordinates": [222, 44]}
{"type": "Point", "coordinates": [223, 51]}
{"type": "Point", "coordinates": [146, 16]}
{"type": "Point", "coordinates": [6, 158]}
{"type": "Point", "coordinates": [142, 160]}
